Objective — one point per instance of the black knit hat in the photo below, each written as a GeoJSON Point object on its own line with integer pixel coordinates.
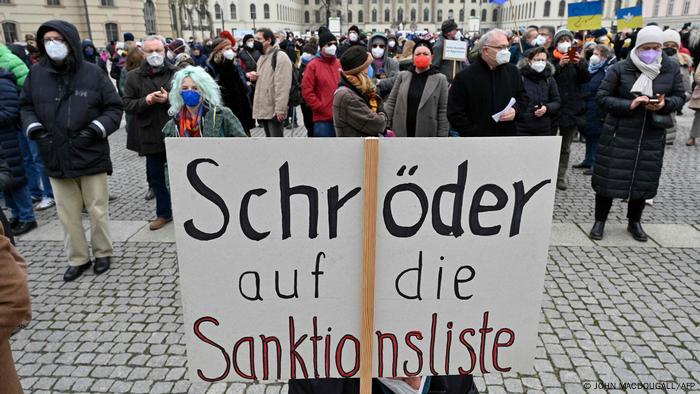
{"type": "Point", "coordinates": [354, 28]}
{"type": "Point", "coordinates": [325, 36]}
{"type": "Point", "coordinates": [247, 37]}
{"type": "Point", "coordinates": [422, 43]}
{"type": "Point", "coordinates": [355, 59]}
{"type": "Point", "coordinates": [448, 26]}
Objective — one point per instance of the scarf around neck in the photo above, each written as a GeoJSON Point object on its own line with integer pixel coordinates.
{"type": "Point", "coordinates": [644, 83]}
{"type": "Point", "coordinates": [190, 126]}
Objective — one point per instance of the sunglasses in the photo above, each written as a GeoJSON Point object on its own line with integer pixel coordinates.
{"type": "Point", "coordinates": [378, 46]}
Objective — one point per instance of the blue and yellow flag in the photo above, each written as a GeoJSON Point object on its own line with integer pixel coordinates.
{"type": "Point", "coordinates": [630, 18]}
{"type": "Point", "coordinates": [585, 16]}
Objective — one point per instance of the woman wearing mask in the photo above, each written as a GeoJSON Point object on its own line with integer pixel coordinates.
{"type": "Point", "coordinates": [601, 60]}
{"type": "Point", "coordinates": [320, 81]}
{"type": "Point", "coordinates": [356, 104]}
{"type": "Point", "coordinates": [222, 66]}
{"type": "Point", "coordinates": [392, 46]}
{"type": "Point", "coordinates": [671, 45]}
{"type": "Point", "coordinates": [417, 105]}
{"type": "Point", "coordinates": [196, 108]}
{"type": "Point", "coordinates": [639, 94]}
{"type": "Point", "coordinates": [542, 91]}
{"type": "Point", "coordinates": [571, 73]}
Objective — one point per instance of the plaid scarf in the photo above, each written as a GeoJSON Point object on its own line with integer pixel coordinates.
{"type": "Point", "coordinates": [190, 126]}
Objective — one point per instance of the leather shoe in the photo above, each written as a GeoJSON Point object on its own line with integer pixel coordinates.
{"type": "Point", "coordinates": [159, 223]}
{"type": "Point", "coordinates": [24, 227]}
{"type": "Point", "coordinates": [635, 228]}
{"type": "Point", "coordinates": [149, 195]}
{"type": "Point", "coordinates": [101, 265]}
{"type": "Point", "coordinates": [597, 230]}
{"type": "Point", "coordinates": [581, 165]}
{"type": "Point", "coordinates": [73, 272]}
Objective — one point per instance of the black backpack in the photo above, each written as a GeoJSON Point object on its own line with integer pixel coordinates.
{"type": "Point", "coordinates": [295, 98]}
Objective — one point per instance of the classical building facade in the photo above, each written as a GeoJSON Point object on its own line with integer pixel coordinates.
{"type": "Point", "coordinates": [667, 13]}
{"type": "Point", "coordinates": [108, 19]}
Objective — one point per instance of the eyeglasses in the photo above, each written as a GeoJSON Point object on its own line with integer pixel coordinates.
{"type": "Point", "coordinates": [54, 39]}
{"type": "Point", "coordinates": [378, 46]}
{"type": "Point", "coordinates": [498, 48]}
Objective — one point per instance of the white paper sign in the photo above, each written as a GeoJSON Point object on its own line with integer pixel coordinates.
{"type": "Point", "coordinates": [334, 25]}
{"type": "Point", "coordinates": [454, 50]}
{"type": "Point", "coordinates": [269, 241]}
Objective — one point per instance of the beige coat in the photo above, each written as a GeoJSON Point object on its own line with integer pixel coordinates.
{"type": "Point", "coordinates": [272, 87]}
{"type": "Point", "coordinates": [432, 110]}
{"type": "Point", "coordinates": [15, 308]}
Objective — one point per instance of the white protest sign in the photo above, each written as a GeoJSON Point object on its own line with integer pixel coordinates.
{"type": "Point", "coordinates": [269, 240]}
{"type": "Point", "coordinates": [454, 50]}
{"type": "Point", "coordinates": [334, 25]}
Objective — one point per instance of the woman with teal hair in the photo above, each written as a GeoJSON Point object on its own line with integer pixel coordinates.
{"type": "Point", "coordinates": [195, 105]}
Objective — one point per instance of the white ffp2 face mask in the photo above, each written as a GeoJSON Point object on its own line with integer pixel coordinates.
{"type": "Point", "coordinates": [563, 47]}
{"type": "Point", "coordinates": [538, 65]}
{"type": "Point", "coordinates": [377, 52]}
{"type": "Point", "coordinates": [330, 50]}
{"type": "Point", "coordinates": [56, 51]}
{"type": "Point", "coordinates": [503, 56]}
{"type": "Point", "coordinates": [229, 54]}
{"type": "Point", "coordinates": [154, 59]}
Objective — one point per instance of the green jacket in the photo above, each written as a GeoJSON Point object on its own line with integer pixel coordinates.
{"type": "Point", "coordinates": [10, 62]}
{"type": "Point", "coordinates": [220, 122]}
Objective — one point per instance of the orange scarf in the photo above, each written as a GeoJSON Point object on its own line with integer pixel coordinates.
{"type": "Point", "coordinates": [558, 54]}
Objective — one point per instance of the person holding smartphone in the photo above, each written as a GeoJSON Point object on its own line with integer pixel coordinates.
{"type": "Point", "coordinates": [571, 73]}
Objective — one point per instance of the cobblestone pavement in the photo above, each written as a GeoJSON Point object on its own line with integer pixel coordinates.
{"type": "Point", "coordinates": [609, 314]}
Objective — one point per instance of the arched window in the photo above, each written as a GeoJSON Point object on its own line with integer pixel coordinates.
{"type": "Point", "coordinates": [387, 15]}
{"type": "Point", "coordinates": [374, 15]}
{"type": "Point", "coordinates": [233, 11]}
{"type": "Point", "coordinates": [9, 30]}
{"type": "Point", "coordinates": [317, 16]}
{"type": "Point", "coordinates": [149, 17]}
{"type": "Point", "coordinates": [494, 16]}
{"type": "Point", "coordinates": [426, 14]}
{"type": "Point", "coordinates": [533, 8]}
{"type": "Point", "coordinates": [217, 12]}
{"type": "Point", "coordinates": [413, 15]}
{"type": "Point", "coordinates": [253, 13]}
{"type": "Point", "coordinates": [307, 17]}
{"type": "Point", "coordinates": [562, 7]}
{"type": "Point", "coordinates": [461, 15]}
{"type": "Point", "coordinates": [266, 11]}
{"type": "Point", "coordinates": [439, 15]}
{"type": "Point", "coordinates": [110, 28]}
{"type": "Point", "coordinates": [360, 17]}
{"type": "Point", "coordinates": [450, 14]}
{"type": "Point", "coordinates": [472, 12]}
{"type": "Point", "coordinates": [349, 16]}
{"type": "Point", "coordinates": [547, 6]}
{"type": "Point", "coordinates": [399, 15]}
{"type": "Point", "coordinates": [483, 15]}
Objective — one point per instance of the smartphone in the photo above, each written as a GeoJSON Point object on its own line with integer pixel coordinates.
{"type": "Point", "coordinates": [538, 106]}
{"type": "Point", "coordinates": [654, 100]}
{"type": "Point", "coordinates": [572, 52]}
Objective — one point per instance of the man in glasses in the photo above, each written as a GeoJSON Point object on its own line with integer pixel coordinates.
{"type": "Point", "coordinates": [485, 89]}
{"type": "Point", "coordinates": [70, 107]}
{"type": "Point", "coordinates": [383, 68]}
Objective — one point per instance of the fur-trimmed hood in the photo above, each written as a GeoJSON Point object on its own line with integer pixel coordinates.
{"type": "Point", "coordinates": [527, 71]}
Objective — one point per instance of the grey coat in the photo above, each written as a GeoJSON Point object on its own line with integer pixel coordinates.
{"type": "Point", "coordinates": [432, 110]}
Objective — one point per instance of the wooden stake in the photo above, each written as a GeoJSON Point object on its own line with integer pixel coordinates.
{"type": "Point", "coordinates": [369, 244]}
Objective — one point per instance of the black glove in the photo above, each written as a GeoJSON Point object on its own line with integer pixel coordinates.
{"type": "Point", "coordinates": [39, 133]}
{"type": "Point", "coordinates": [89, 133]}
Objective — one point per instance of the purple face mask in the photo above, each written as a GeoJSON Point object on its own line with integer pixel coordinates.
{"type": "Point", "coordinates": [648, 56]}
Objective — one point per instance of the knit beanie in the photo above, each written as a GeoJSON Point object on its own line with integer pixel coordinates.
{"type": "Point", "coordinates": [671, 35]}
{"type": "Point", "coordinates": [325, 36]}
{"type": "Point", "coordinates": [247, 37]}
{"type": "Point", "coordinates": [561, 34]}
{"type": "Point", "coordinates": [599, 32]}
{"type": "Point", "coordinates": [355, 59]}
{"type": "Point", "coordinates": [355, 29]}
{"type": "Point", "coordinates": [128, 36]}
{"type": "Point", "coordinates": [448, 26]}
{"type": "Point", "coordinates": [650, 34]}
{"type": "Point", "coordinates": [422, 43]}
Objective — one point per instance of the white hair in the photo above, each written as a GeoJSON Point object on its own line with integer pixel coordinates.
{"type": "Point", "coordinates": [489, 36]}
{"type": "Point", "coordinates": [154, 38]}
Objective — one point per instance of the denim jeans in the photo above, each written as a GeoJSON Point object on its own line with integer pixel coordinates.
{"type": "Point", "coordinates": [591, 149]}
{"type": "Point", "coordinates": [38, 182]}
{"type": "Point", "coordinates": [324, 129]}
{"type": "Point", "coordinates": [20, 203]}
{"type": "Point", "coordinates": [155, 168]}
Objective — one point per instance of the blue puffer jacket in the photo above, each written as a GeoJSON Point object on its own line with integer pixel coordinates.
{"type": "Point", "coordinates": [9, 127]}
{"type": "Point", "coordinates": [594, 114]}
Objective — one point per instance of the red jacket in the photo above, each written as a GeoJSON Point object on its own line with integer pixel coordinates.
{"type": "Point", "coordinates": [320, 81]}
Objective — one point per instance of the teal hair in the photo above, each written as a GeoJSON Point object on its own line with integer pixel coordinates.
{"type": "Point", "coordinates": [208, 89]}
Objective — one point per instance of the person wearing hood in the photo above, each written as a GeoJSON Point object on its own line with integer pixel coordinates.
{"type": "Point", "coordinates": [223, 67]}
{"type": "Point", "coordinates": [448, 68]}
{"type": "Point", "coordinates": [356, 104]}
{"type": "Point", "coordinates": [91, 54]}
{"type": "Point", "coordinates": [638, 94]}
{"type": "Point", "coordinates": [146, 100]}
{"type": "Point", "coordinates": [600, 61]}
{"type": "Point", "coordinates": [72, 137]}
{"type": "Point", "coordinates": [198, 56]}
{"type": "Point", "coordinates": [484, 89]}
{"type": "Point", "coordinates": [354, 37]}
{"type": "Point", "coordinates": [671, 47]}
{"type": "Point", "coordinates": [417, 105]}
{"type": "Point", "coordinates": [393, 46]}
{"type": "Point", "coordinates": [10, 62]}
{"type": "Point", "coordinates": [321, 78]}
{"type": "Point", "coordinates": [571, 73]}
{"type": "Point", "coordinates": [383, 69]}
{"type": "Point", "coordinates": [541, 88]}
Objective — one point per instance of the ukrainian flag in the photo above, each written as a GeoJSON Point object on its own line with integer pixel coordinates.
{"type": "Point", "coordinates": [585, 16]}
{"type": "Point", "coordinates": [630, 18]}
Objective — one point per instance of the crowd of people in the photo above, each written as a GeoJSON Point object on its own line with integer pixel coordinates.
{"type": "Point", "coordinates": [61, 98]}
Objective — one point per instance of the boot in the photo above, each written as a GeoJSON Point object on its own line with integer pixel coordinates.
{"type": "Point", "coordinates": [597, 230]}
{"type": "Point", "coordinates": [635, 228]}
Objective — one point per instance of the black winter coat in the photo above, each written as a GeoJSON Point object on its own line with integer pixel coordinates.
{"type": "Point", "coordinates": [541, 89]}
{"type": "Point", "coordinates": [594, 115]}
{"type": "Point", "coordinates": [249, 58]}
{"type": "Point", "coordinates": [631, 148]}
{"type": "Point", "coordinates": [478, 92]}
{"type": "Point", "coordinates": [9, 126]}
{"type": "Point", "coordinates": [570, 79]}
{"type": "Point", "coordinates": [66, 101]}
{"type": "Point", "coordinates": [233, 91]}
{"type": "Point", "coordinates": [148, 120]}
